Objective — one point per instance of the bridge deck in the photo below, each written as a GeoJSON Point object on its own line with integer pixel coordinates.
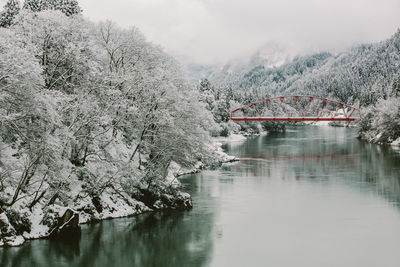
{"type": "Point", "coordinates": [291, 119]}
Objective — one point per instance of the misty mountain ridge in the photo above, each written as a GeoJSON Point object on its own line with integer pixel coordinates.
{"type": "Point", "coordinates": [342, 75]}
{"type": "Point", "coordinates": [270, 55]}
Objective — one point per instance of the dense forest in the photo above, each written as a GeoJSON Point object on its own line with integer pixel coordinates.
{"type": "Point", "coordinates": [92, 117]}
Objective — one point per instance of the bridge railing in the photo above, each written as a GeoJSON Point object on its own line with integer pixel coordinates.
{"type": "Point", "coordinates": [296, 108]}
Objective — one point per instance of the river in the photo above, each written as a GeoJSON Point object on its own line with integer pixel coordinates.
{"type": "Point", "coordinates": [313, 196]}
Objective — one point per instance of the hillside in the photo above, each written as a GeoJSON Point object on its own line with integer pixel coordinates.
{"type": "Point", "coordinates": [341, 76]}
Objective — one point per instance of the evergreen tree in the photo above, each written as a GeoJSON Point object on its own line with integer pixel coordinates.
{"type": "Point", "coordinates": [396, 85]}
{"type": "Point", "coordinates": [68, 7]}
{"type": "Point", "coordinates": [206, 94]}
{"type": "Point", "coordinates": [11, 9]}
{"type": "Point", "coordinates": [205, 85]}
{"type": "Point", "coordinates": [33, 5]}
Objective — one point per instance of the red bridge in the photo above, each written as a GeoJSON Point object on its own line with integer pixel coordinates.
{"type": "Point", "coordinates": [296, 108]}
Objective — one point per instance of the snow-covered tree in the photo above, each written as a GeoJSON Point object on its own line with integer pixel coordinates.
{"type": "Point", "coordinates": [207, 93]}
{"type": "Point", "coordinates": [62, 47]}
{"type": "Point", "coordinates": [33, 5]}
{"type": "Point", "coordinates": [26, 121]}
{"type": "Point", "coordinates": [372, 94]}
{"type": "Point", "coordinates": [10, 10]}
{"type": "Point", "coordinates": [381, 123]}
{"type": "Point", "coordinates": [396, 86]}
{"type": "Point", "coordinates": [68, 7]}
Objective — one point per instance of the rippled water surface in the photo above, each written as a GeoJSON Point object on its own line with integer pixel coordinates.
{"type": "Point", "coordinates": [313, 196]}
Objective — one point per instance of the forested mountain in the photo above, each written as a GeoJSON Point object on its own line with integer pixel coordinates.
{"type": "Point", "coordinates": [346, 76]}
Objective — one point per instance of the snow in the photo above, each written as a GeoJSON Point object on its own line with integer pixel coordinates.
{"type": "Point", "coordinates": [9, 240]}
{"type": "Point", "coordinates": [115, 207]}
{"type": "Point", "coordinates": [113, 204]}
{"type": "Point", "coordinates": [184, 194]}
{"type": "Point", "coordinates": [377, 137]}
{"type": "Point", "coordinates": [321, 123]}
{"type": "Point", "coordinates": [223, 157]}
{"type": "Point", "coordinates": [37, 229]}
{"type": "Point", "coordinates": [16, 241]}
{"type": "Point", "coordinates": [3, 217]}
{"type": "Point", "coordinates": [396, 142]}
{"type": "Point", "coordinates": [174, 170]}
{"type": "Point", "coordinates": [231, 138]}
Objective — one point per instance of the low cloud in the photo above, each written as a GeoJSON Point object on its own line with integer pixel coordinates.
{"type": "Point", "coordinates": [214, 31]}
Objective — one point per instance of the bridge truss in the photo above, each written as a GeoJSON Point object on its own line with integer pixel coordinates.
{"type": "Point", "coordinates": [296, 108]}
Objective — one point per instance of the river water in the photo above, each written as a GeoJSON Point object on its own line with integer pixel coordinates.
{"type": "Point", "coordinates": [313, 196]}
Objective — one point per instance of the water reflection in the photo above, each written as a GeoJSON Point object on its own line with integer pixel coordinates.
{"type": "Point", "coordinates": [155, 239]}
{"type": "Point", "coordinates": [309, 154]}
{"type": "Point", "coordinates": [310, 165]}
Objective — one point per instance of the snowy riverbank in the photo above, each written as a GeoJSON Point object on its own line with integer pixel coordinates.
{"type": "Point", "coordinates": [20, 223]}
{"type": "Point", "coordinates": [379, 138]}
{"type": "Point", "coordinates": [176, 170]}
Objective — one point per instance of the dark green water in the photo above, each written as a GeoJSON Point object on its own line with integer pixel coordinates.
{"type": "Point", "coordinates": [314, 196]}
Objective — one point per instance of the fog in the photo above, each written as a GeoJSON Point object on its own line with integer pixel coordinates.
{"type": "Point", "coordinates": [214, 31]}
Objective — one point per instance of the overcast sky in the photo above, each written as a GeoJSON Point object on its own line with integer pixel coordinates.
{"type": "Point", "coordinates": [213, 31]}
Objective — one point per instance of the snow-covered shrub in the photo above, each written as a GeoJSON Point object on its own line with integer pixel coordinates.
{"type": "Point", "coordinates": [387, 119]}
{"type": "Point", "coordinates": [366, 117]}
{"type": "Point", "coordinates": [381, 123]}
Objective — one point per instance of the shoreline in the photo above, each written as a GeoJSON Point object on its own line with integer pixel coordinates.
{"type": "Point", "coordinates": [375, 138]}
{"type": "Point", "coordinates": [110, 203]}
